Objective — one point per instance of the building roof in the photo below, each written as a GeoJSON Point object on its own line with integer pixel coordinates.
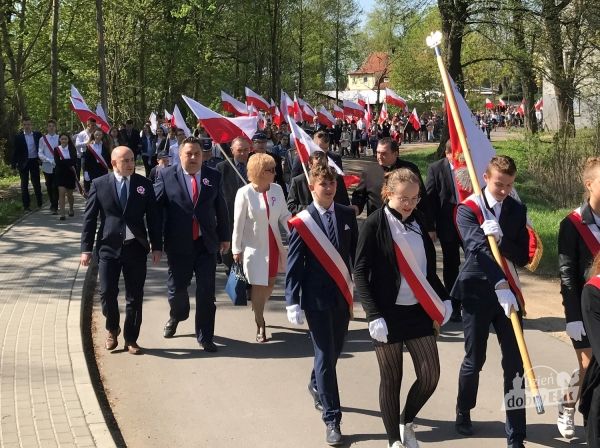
{"type": "Point", "coordinates": [376, 63]}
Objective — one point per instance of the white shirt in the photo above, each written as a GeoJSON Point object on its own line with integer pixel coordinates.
{"type": "Point", "coordinates": [174, 154]}
{"type": "Point", "coordinates": [80, 142]}
{"type": "Point", "coordinates": [493, 203]}
{"type": "Point", "coordinates": [32, 152]}
{"type": "Point", "coordinates": [65, 152]}
{"type": "Point", "coordinates": [118, 185]}
{"type": "Point", "coordinates": [324, 220]}
{"type": "Point", "coordinates": [46, 154]}
{"type": "Point", "coordinates": [406, 296]}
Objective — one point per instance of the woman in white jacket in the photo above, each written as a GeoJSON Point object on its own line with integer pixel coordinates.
{"type": "Point", "coordinates": [256, 242]}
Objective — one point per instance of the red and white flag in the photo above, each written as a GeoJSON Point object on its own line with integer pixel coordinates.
{"type": "Point", "coordinates": [413, 118]}
{"type": "Point", "coordinates": [297, 111]}
{"type": "Point", "coordinates": [79, 106]}
{"type": "Point", "coordinates": [521, 109]}
{"type": "Point", "coordinates": [100, 112]}
{"type": "Point", "coordinates": [539, 105]}
{"type": "Point", "coordinates": [501, 103]}
{"type": "Point", "coordinates": [338, 112]}
{"type": "Point", "coordinates": [286, 105]}
{"type": "Point", "coordinates": [325, 118]}
{"type": "Point", "coordinates": [383, 114]}
{"type": "Point", "coordinates": [308, 114]}
{"type": "Point", "coordinates": [169, 119]}
{"type": "Point", "coordinates": [233, 106]}
{"type": "Point", "coordinates": [368, 116]}
{"type": "Point", "coordinates": [272, 107]}
{"type": "Point", "coordinates": [489, 104]}
{"type": "Point", "coordinates": [256, 100]}
{"type": "Point", "coordinates": [353, 109]}
{"type": "Point", "coordinates": [394, 99]}
{"type": "Point", "coordinates": [153, 122]}
{"type": "Point", "coordinates": [305, 145]}
{"type": "Point", "coordinates": [276, 116]}
{"type": "Point", "coordinates": [180, 122]}
{"type": "Point", "coordinates": [222, 129]}
{"type": "Point", "coordinates": [360, 100]}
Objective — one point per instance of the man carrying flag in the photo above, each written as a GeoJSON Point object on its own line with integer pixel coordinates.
{"type": "Point", "coordinates": [322, 246]}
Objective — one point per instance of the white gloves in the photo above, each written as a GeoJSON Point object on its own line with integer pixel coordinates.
{"type": "Point", "coordinates": [507, 300]}
{"type": "Point", "coordinates": [86, 176]}
{"type": "Point", "coordinates": [491, 227]}
{"type": "Point", "coordinates": [295, 314]}
{"type": "Point", "coordinates": [448, 313]}
{"type": "Point", "coordinates": [378, 330]}
{"type": "Point", "coordinates": [575, 330]}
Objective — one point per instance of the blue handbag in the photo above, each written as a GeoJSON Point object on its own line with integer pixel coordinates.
{"type": "Point", "coordinates": [236, 285]}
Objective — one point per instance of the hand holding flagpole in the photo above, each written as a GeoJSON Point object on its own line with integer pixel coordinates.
{"type": "Point", "coordinates": [433, 41]}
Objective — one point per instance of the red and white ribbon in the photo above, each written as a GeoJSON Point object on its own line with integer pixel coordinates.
{"type": "Point", "coordinates": [589, 233]}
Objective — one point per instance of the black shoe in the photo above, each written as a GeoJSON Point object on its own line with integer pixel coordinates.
{"type": "Point", "coordinates": [170, 328]}
{"type": "Point", "coordinates": [26, 209]}
{"type": "Point", "coordinates": [315, 396]}
{"type": "Point", "coordinates": [333, 434]}
{"type": "Point", "coordinates": [456, 316]}
{"type": "Point", "coordinates": [209, 347]}
{"type": "Point", "coordinates": [463, 424]}
{"type": "Point", "coordinates": [516, 445]}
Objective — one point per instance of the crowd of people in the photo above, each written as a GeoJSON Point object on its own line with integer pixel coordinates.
{"type": "Point", "coordinates": [201, 203]}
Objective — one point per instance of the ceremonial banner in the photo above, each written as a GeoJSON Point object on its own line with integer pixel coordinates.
{"type": "Point", "coordinates": [394, 99]}
{"type": "Point", "coordinates": [256, 100]}
{"type": "Point", "coordinates": [413, 118]}
{"type": "Point", "coordinates": [80, 107]}
{"type": "Point", "coordinates": [325, 118]}
{"type": "Point", "coordinates": [180, 122]}
{"type": "Point", "coordinates": [233, 106]}
{"type": "Point", "coordinates": [353, 109]}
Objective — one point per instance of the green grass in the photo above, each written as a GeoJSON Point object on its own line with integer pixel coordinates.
{"type": "Point", "coordinates": [11, 207]}
{"type": "Point", "coordinates": [544, 216]}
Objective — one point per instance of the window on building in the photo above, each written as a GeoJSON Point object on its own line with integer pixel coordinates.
{"type": "Point", "coordinates": [365, 79]}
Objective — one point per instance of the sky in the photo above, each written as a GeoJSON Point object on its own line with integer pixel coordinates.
{"type": "Point", "coordinates": [366, 6]}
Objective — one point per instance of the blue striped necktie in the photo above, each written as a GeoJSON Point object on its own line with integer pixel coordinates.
{"type": "Point", "coordinates": [331, 228]}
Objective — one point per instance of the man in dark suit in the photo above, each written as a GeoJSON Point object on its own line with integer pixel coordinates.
{"type": "Point", "coordinates": [259, 145]}
{"type": "Point", "coordinates": [25, 159]}
{"type": "Point", "coordinates": [311, 290]}
{"type": "Point", "coordinates": [131, 137]}
{"type": "Point", "coordinates": [368, 191]}
{"type": "Point", "coordinates": [231, 181]}
{"type": "Point", "coordinates": [122, 199]}
{"type": "Point", "coordinates": [321, 138]}
{"type": "Point", "coordinates": [442, 194]}
{"type": "Point", "coordinates": [487, 297]}
{"type": "Point", "coordinates": [300, 195]}
{"type": "Point", "coordinates": [196, 227]}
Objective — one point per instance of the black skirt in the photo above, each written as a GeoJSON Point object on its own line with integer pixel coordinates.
{"type": "Point", "coordinates": [406, 322]}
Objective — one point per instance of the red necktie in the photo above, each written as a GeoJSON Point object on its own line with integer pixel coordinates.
{"type": "Point", "coordinates": [195, 224]}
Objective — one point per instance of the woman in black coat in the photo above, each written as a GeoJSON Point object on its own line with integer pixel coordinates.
{"type": "Point", "coordinates": [397, 318]}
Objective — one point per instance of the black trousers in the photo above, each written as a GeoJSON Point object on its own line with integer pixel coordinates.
{"type": "Point", "coordinates": [149, 163]}
{"type": "Point", "coordinates": [52, 190]}
{"type": "Point", "coordinates": [78, 167]}
{"type": "Point", "coordinates": [477, 317]}
{"type": "Point", "coordinates": [328, 329]}
{"type": "Point", "coordinates": [451, 259]}
{"type": "Point", "coordinates": [31, 168]}
{"type": "Point", "coordinates": [133, 264]}
{"type": "Point", "coordinates": [203, 265]}
{"type": "Point", "coordinates": [355, 148]}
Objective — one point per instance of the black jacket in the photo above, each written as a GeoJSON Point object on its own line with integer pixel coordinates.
{"type": "Point", "coordinates": [20, 155]}
{"type": "Point", "coordinates": [376, 273]}
{"type": "Point", "coordinates": [230, 184]}
{"type": "Point", "coordinates": [441, 194]}
{"type": "Point", "coordinates": [297, 168]}
{"type": "Point", "coordinates": [91, 165]}
{"type": "Point", "coordinates": [133, 141]}
{"type": "Point", "coordinates": [300, 196]}
{"type": "Point", "coordinates": [574, 260]}
{"type": "Point", "coordinates": [590, 401]}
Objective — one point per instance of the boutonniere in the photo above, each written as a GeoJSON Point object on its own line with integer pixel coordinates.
{"type": "Point", "coordinates": [141, 190]}
{"type": "Point", "coordinates": [272, 201]}
{"type": "Point", "coordinates": [206, 182]}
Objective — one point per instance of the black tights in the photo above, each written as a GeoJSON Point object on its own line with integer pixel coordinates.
{"type": "Point", "coordinates": [424, 354]}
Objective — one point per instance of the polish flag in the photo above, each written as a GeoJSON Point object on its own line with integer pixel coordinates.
{"type": "Point", "coordinates": [153, 122]}
{"type": "Point", "coordinates": [222, 129]}
{"type": "Point", "coordinates": [501, 103]}
{"type": "Point", "coordinates": [325, 118]}
{"type": "Point", "coordinates": [489, 104]}
{"type": "Point", "coordinates": [286, 104]}
{"type": "Point", "coordinates": [79, 106]}
{"type": "Point", "coordinates": [394, 99]}
{"type": "Point", "coordinates": [413, 118]}
{"type": "Point", "coordinates": [539, 105]}
{"type": "Point", "coordinates": [100, 112]}
{"type": "Point", "coordinates": [272, 107]}
{"type": "Point", "coordinates": [308, 114]}
{"type": "Point", "coordinates": [276, 116]}
{"type": "Point", "coordinates": [368, 116]}
{"type": "Point", "coordinates": [353, 109]}
{"type": "Point", "coordinates": [360, 100]}
{"type": "Point", "coordinates": [169, 119]}
{"type": "Point", "coordinates": [521, 109]}
{"type": "Point", "coordinates": [383, 114]}
{"type": "Point", "coordinates": [256, 100]}
{"type": "Point", "coordinates": [233, 106]}
{"type": "Point", "coordinates": [180, 122]}
{"type": "Point", "coordinates": [338, 112]}
{"type": "Point", "coordinates": [297, 110]}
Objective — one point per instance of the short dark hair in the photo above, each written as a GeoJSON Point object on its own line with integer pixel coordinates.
{"type": "Point", "coordinates": [319, 156]}
{"type": "Point", "coordinates": [25, 118]}
{"type": "Point", "coordinates": [388, 141]}
{"type": "Point", "coordinates": [322, 171]}
{"type": "Point", "coordinates": [51, 120]}
{"type": "Point", "coordinates": [503, 164]}
{"type": "Point", "coordinates": [191, 140]}
{"type": "Point", "coordinates": [322, 135]}
{"type": "Point", "coordinates": [129, 121]}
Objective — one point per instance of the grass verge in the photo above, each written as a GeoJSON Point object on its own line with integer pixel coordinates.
{"type": "Point", "coordinates": [11, 207]}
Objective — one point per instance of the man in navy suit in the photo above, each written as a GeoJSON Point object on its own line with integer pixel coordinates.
{"type": "Point", "coordinates": [25, 159]}
{"type": "Point", "coordinates": [122, 199]}
{"type": "Point", "coordinates": [311, 290]}
{"type": "Point", "coordinates": [486, 294]}
{"type": "Point", "coordinates": [196, 227]}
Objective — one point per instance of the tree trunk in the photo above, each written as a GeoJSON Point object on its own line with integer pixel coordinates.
{"type": "Point", "coordinates": [301, 51]}
{"type": "Point", "coordinates": [54, 61]}
{"type": "Point", "coordinates": [275, 50]}
{"type": "Point", "coordinates": [337, 50]}
{"type": "Point", "coordinates": [101, 54]}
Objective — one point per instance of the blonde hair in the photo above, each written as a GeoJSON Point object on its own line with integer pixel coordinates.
{"type": "Point", "coordinates": [396, 177]}
{"type": "Point", "coordinates": [257, 164]}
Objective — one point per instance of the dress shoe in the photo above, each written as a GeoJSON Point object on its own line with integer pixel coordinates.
{"type": "Point", "coordinates": [333, 434]}
{"type": "Point", "coordinates": [456, 316]}
{"type": "Point", "coordinates": [516, 445]}
{"type": "Point", "coordinates": [111, 339]}
{"type": "Point", "coordinates": [71, 213]}
{"type": "Point", "coordinates": [170, 328]}
{"type": "Point", "coordinates": [209, 347]}
{"type": "Point", "coordinates": [463, 424]}
{"type": "Point", "coordinates": [133, 348]}
{"type": "Point", "coordinates": [315, 396]}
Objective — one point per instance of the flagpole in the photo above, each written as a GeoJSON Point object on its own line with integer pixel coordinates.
{"type": "Point", "coordinates": [231, 163]}
{"type": "Point", "coordinates": [433, 41]}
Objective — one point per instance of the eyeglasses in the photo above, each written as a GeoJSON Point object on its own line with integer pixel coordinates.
{"type": "Point", "coordinates": [269, 170]}
{"type": "Point", "coordinates": [409, 201]}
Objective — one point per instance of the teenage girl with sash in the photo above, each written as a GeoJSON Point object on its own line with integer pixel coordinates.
{"type": "Point", "coordinates": [397, 284]}
{"type": "Point", "coordinates": [65, 177]}
{"type": "Point", "coordinates": [578, 244]}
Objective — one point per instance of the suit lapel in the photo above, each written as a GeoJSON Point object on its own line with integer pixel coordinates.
{"type": "Point", "coordinates": [112, 186]}
{"type": "Point", "coordinates": [183, 184]}
{"type": "Point", "coordinates": [448, 178]}
{"type": "Point", "coordinates": [316, 216]}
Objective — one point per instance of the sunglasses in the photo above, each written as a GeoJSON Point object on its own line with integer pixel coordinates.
{"type": "Point", "coordinates": [269, 170]}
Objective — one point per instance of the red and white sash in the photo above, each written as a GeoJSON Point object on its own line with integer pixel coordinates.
{"type": "Point", "coordinates": [59, 153]}
{"type": "Point", "coordinates": [589, 233]}
{"type": "Point", "coordinates": [324, 251]}
{"type": "Point", "coordinates": [594, 281]}
{"type": "Point", "coordinates": [409, 268]}
{"type": "Point", "coordinates": [98, 158]}
{"type": "Point", "coordinates": [507, 266]}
